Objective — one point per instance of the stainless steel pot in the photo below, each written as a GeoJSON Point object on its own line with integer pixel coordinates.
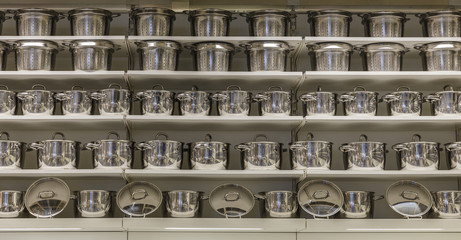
{"type": "Point", "coordinates": [447, 204]}
{"type": "Point", "coordinates": [267, 55]}
{"type": "Point", "coordinates": [453, 154]}
{"type": "Point", "coordinates": [47, 197]}
{"type": "Point", "coordinates": [93, 203]}
{"type": "Point", "coordinates": [360, 102]}
{"type": "Point", "coordinates": [183, 203]}
{"type": "Point", "coordinates": [260, 155]}
{"type": "Point", "coordinates": [383, 56]}
{"type": "Point", "coordinates": [91, 55]}
{"type": "Point", "coordinates": [209, 155]}
{"type": "Point", "coordinates": [270, 23]}
{"type": "Point", "coordinates": [210, 22]}
{"type": "Point", "coordinates": [404, 102]}
{"type": "Point", "coordinates": [12, 153]}
{"type": "Point", "coordinates": [139, 199]}
{"type": "Point", "coordinates": [90, 21]}
{"type": "Point", "coordinates": [274, 102]}
{"type": "Point", "coordinates": [57, 153]}
{"type": "Point", "coordinates": [156, 102]}
{"type": "Point", "coordinates": [417, 154]}
{"type": "Point", "coordinates": [441, 56]}
{"type": "Point", "coordinates": [212, 56]}
{"type": "Point", "coordinates": [364, 155]}
{"type": "Point", "coordinates": [329, 23]}
{"type": "Point", "coordinates": [280, 204]}
{"type": "Point", "coordinates": [158, 55]}
{"type": "Point", "coordinates": [5, 48]}
{"type": "Point", "coordinates": [233, 102]}
{"type": "Point", "coordinates": [161, 153]}
{"type": "Point", "coordinates": [231, 200]}
{"type": "Point", "coordinates": [319, 103]}
{"type": "Point", "coordinates": [446, 102]}
{"type": "Point", "coordinates": [37, 102]}
{"type": "Point", "coordinates": [35, 54]}
{"type": "Point", "coordinates": [152, 21]}
{"type": "Point", "coordinates": [330, 56]}
{"type": "Point", "coordinates": [11, 203]}
{"type": "Point", "coordinates": [320, 198]}
{"type": "Point", "coordinates": [311, 154]}
{"type": "Point", "coordinates": [35, 21]}
{"type": "Point", "coordinates": [359, 204]}
{"type": "Point", "coordinates": [409, 199]}
{"type": "Point", "coordinates": [113, 101]}
{"type": "Point", "coordinates": [384, 23]}
{"type": "Point", "coordinates": [111, 152]}
{"type": "Point", "coordinates": [75, 102]}
{"type": "Point", "coordinates": [194, 103]}
{"type": "Point", "coordinates": [441, 23]}
{"type": "Point", "coordinates": [7, 101]}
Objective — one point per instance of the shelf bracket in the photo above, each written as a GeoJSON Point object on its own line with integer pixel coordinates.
{"type": "Point", "coordinates": [125, 176]}
{"type": "Point", "coordinates": [295, 56]}
{"type": "Point", "coordinates": [128, 128]}
{"type": "Point", "coordinates": [294, 131]}
{"type": "Point", "coordinates": [298, 85]}
{"type": "Point", "coordinates": [128, 81]}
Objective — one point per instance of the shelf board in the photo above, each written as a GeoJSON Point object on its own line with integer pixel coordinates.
{"type": "Point", "coordinates": [66, 173]}
{"type": "Point", "coordinates": [117, 40]}
{"type": "Point", "coordinates": [58, 122]}
{"type": "Point", "coordinates": [61, 225]}
{"type": "Point", "coordinates": [383, 174]}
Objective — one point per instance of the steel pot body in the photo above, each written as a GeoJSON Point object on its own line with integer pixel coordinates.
{"type": "Point", "coordinates": [404, 103]}
{"type": "Point", "coordinates": [75, 102]}
{"type": "Point", "coordinates": [320, 198]}
{"type": "Point", "coordinates": [4, 50]}
{"type": "Point", "coordinates": [212, 56]}
{"type": "Point", "coordinates": [358, 204]}
{"type": "Point", "coordinates": [442, 23]}
{"type": "Point", "coordinates": [447, 204]}
{"type": "Point", "coordinates": [91, 55]}
{"type": "Point", "coordinates": [384, 24]}
{"type": "Point", "coordinates": [153, 21]}
{"type": "Point", "coordinates": [453, 153]}
{"type": "Point", "coordinates": [364, 155]}
{"type": "Point", "coordinates": [37, 102]}
{"type": "Point", "coordinates": [319, 104]}
{"type": "Point", "coordinates": [183, 203]}
{"type": "Point", "coordinates": [111, 153]}
{"type": "Point", "coordinates": [7, 102]}
{"type": "Point", "coordinates": [267, 56]}
{"type": "Point", "coordinates": [47, 197]}
{"type": "Point", "coordinates": [445, 103]}
{"type": "Point", "coordinates": [57, 154]}
{"type": "Point", "coordinates": [311, 155]}
{"type": "Point", "coordinates": [383, 56]}
{"type": "Point", "coordinates": [360, 103]}
{"type": "Point", "coordinates": [233, 102]}
{"type": "Point", "coordinates": [158, 55]}
{"type": "Point", "coordinates": [12, 153]}
{"type": "Point", "coordinates": [209, 155]}
{"type": "Point", "coordinates": [441, 56]}
{"type": "Point", "coordinates": [418, 155]}
{"type": "Point", "coordinates": [280, 204]}
{"type": "Point", "coordinates": [90, 22]}
{"type": "Point", "coordinates": [162, 154]}
{"type": "Point", "coordinates": [231, 200]}
{"type": "Point", "coordinates": [139, 199]}
{"type": "Point", "coordinates": [156, 102]}
{"type": "Point", "coordinates": [93, 203]}
{"type": "Point", "coordinates": [194, 103]}
{"type": "Point", "coordinates": [11, 203]}
{"type": "Point", "coordinates": [35, 55]}
{"type": "Point", "coordinates": [330, 56]}
{"type": "Point", "coordinates": [409, 199]}
{"type": "Point", "coordinates": [261, 154]}
{"type": "Point", "coordinates": [210, 22]}
{"type": "Point", "coordinates": [274, 103]}
{"type": "Point", "coordinates": [329, 23]}
{"type": "Point", "coordinates": [113, 101]}
{"type": "Point", "coordinates": [35, 22]}
{"type": "Point", "coordinates": [269, 23]}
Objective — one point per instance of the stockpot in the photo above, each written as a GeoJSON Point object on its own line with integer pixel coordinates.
{"type": "Point", "coordinates": [260, 155]}
{"type": "Point", "coordinates": [161, 153]}
{"type": "Point", "coordinates": [91, 55]}
{"type": "Point", "coordinates": [417, 154]}
{"type": "Point", "coordinates": [37, 101]}
{"type": "Point", "coordinates": [364, 155]}
{"type": "Point", "coordinates": [233, 102]}
{"type": "Point", "coordinates": [320, 198]}
{"type": "Point", "coordinates": [453, 154]}
{"type": "Point", "coordinates": [270, 23]}
{"type": "Point", "coordinates": [409, 198]}
{"type": "Point", "coordinates": [279, 204]}
{"type": "Point", "coordinates": [319, 103]}
{"type": "Point", "coordinates": [93, 203]}
{"type": "Point", "coordinates": [384, 23]}
{"type": "Point", "coordinates": [310, 154]}
{"type": "Point", "coordinates": [47, 197]}
{"type": "Point", "coordinates": [210, 22]}
{"type": "Point", "coordinates": [75, 102]}
{"type": "Point", "coordinates": [267, 55]}
{"type": "Point", "coordinates": [158, 55]}
{"type": "Point", "coordinates": [139, 199]}
{"type": "Point", "coordinates": [12, 153]}
{"type": "Point", "coordinates": [274, 102]}
{"type": "Point", "coordinates": [359, 204]}
{"type": "Point", "coordinates": [382, 56]}
{"type": "Point", "coordinates": [57, 153]}
{"type": "Point", "coordinates": [446, 102]}
{"type": "Point", "coordinates": [441, 23]}
{"type": "Point", "coordinates": [11, 203]}
{"type": "Point", "coordinates": [35, 54]}
{"type": "Point", "coordinates": [5, 48]}
{"type": "Point", "coordinates": [404, 102]}
{"type": "Point", "coordinates": [329, 23]}
{"type": "Point", "coordinates": [212, 56]}
{"type": "Point", "coordinates": [194, 103]}
{"type": "Point", "coordinates": [111, 152]}
{"type": "Point", "coordinates": [209, 155]}
{"type": "Point", "coordinates": [231, 200]}
{"type": "Point", "coordinates": [183, 203]}
{"type": "Point", "coordinates": [7, 101]}
{"type": "Point", "coordinates": [447, 204]}
{"type": "Point", "coordinates": [360, 102]}
{"type": "Point", "coordinates": [90, 21]}
{"type": "Point", "coordinates": [113, 100]}
{"type": "Point", "coordinates": [35, 21]}
{"type": "Point", "coordinates": [441, 56]}
{"type": "Point", "coordinates": [152, 21]}
{"type": "Point", "coordinates": [156, 102]}
{"type": "Point", "coordinates": [330, 56]}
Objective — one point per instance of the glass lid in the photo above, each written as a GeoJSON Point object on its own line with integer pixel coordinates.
{"type": "Point", "coordinates": [320, 198]}
{"type": "Point", "coordinates": [232, 200]}
{"type": "Point", "coordinates": [47, 197]}
{"type": "Point", "coordinates": [139, 199]}
{"type": "Point", "coordinates": [409, 198]}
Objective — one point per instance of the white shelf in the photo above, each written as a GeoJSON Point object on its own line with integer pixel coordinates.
{"type": "Point", "coordinates": [66, 173]}
{"type": "Point", "coordinates": [383, 174]}
{"type": "Point", "coordinates": [120, 41]}
{"type": "Point", "coordinates": [61, 225]}
{"type": "Point", "coordinates": [59, 122]}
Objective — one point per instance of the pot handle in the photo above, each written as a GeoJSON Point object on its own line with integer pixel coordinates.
{"type": "Point", "coordinates": [432, 98]}
{"type": "Point", "coordinates": [259, 136]}
{"type": "Point", "coordinates": [363, 138]}
{"type": "Point", "coordinates": [242, 147]}
{"type": "Point", "coordinates": [308, 97]}
{"type": "Point", "coordinates": [91, 146]}
{"type": "Point", "coordinates": [378, 197]}
{"type": "Point", "coordinates": [406, 88]}
{"type": "Point", "coordinates": [139, 194]}
{"type": "Point", "coordinates": [260, 98]}
{"type": "Point", "coordinates": [275, 87]}
{"type": "Point", "coordinates": [219, 97]}
{"type": "Point", "coordinates": [97, 96]}
{"type": "Point", "coordinates": [113, 134]}
{"type": "Point", "coordinates": [400, 147]}
{"type": "Point", "coordinates": [243, 14]}
{"type": "Point", "coordinates": [418, 47]}
{"type": "Point", "coordinates": [161, 134]}
{"type": "Point", "coordinates": [356, 88]}
{"type": "Point", "coordinates": [448, 87]}
{"type": "Point", "coordinates": [5, 134]}
{"type": "Point", "coordinates": [112, 85]}
{"type": "Point", "coordinates": [389, 98]}
{"type": "Point", "coordinates": [4, 87]}
{"type": "Point", "coordinates": [184, 97]}
{"type": "Point", "coordinates": [36, 146]}
{"type": "Point", "coordinates": [38, 85]}
{"type": "Point", "coordinates": [259, 196]}
{"type": "Point", "coordinates": [23, 95]}
{"type": "Point", "coordinates": [46, 194]}
{"type": "Point", "coordinates": [232, 196]}
{"type": "Point", "coordinates": [416, 138]}
{"type": "Point", "coordinates": [321, 194]}
{"type": "Point", "coordinates": [409, 195]}
{"type": "Point", "coordinates": [449, 147]}
{"type": "Point", "coordinates": [59, 134]}
{"type": "Point", "coordinates": [346, 148]}
{"type": "Point", "coordinates": [114, 15]}
{"type": "Point", "coordinates": [141, 95]}
{"type": "Point", "coordinates": [143, 146]}
{"type": "Point", "coordinates": [346, 98]}
{"type": "Point", "coordinates": [233, 86]}
{"type": "Point", "coordinates": [61, 96]}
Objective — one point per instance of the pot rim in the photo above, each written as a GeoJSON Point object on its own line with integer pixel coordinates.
{"type": "Point", "coordinates": [407, 92]}
{"type": "Point", "coordinates": [187, 191]}
{"type": "Point", "coordinates": [262, 12]}
{"type": "Point", "coordinates": [76, 44]}
{"type": "Point", "coordinates": [359, 191]}
{"type": "Point", "coordinates": [36, 10]}
{"type": "Point", "coordinates": [81, 11]}
{"type": "Point", "coordinates": [36, 43]}
{"type": "Point", "coordinates": [371, 142]}
{"type": "Point", "coordinates": [318, 13]}
{"type": "Point", "coordinates": [11, 191]}
{"type": "Point", "coordinates": [214, 142]}
{"type": "Point", "coordinates": [153, 10]}
{"type": "Point", "coordinates": [401, 47]}
{"type": "Point", "coordinates": [420, 142]}
{"type": "Point", "coordinates": [449, 191]}
{"type": "Point", "coordinates": [455, 45]}
{"type": "Point", "coordinates": [440, 12]}
{"type": "Point", "coordinates": [163, 141]}
{"type": "Point", "coordinates": [154, 44]}
{"type": "Point", "coordinates": [310, 141]}
{"type": "Point", "coordinates": [263, 142]}
{"type": "Point", "coordinates": [342, 46]}
{"type": "Point", "coordinates": [228, 46]}
{"type": "Point", "coordinates": [58, 140]}
{"type": "Point", "coordinates": [208, 11]}
{"type": "Point", "coordinates": [384, 13]}
{"type": "Point", "coordinates": [114, 140]}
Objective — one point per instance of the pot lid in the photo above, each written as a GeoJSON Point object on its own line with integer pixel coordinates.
{"type": "Point", "coordinates": [213, 45]}
{"type": "Point", "coordinates": [92, 43]}
{"type": "Point", "coordinates": [90, 10]}
{"type": "Point", "coordinates": [409, 198]}
{"type": "Point", "coordinates": [384, 47]}
{"type": "Point", "coordinates": [232, 200]}
{"type": "Point", "coordinates": [47, 197]}
{"type": "Point", "coordinates": [441, 46]}
{"type": "Point", "coordinates": [159, 44]}
{"type": "Point", "coordinates": [268, 44]}
{"type": "Point", "coordinates": [329, 11]}
{"type": "Point", "coordinates": [36, 10]}
{"type": "Point", "coordinates": [139, 199]}
{"type": "Point", "coordinates": [269, 11]}
{"type": "Point", "coordinates": [36, 43]}
{"type": "Point", "coordinates": [384, 13]}
{"type": "Point", "coordinates": [153, 10]}
{"type": "Point", "coordinates": [320, 198]}
{"type": "Point", "coordinates": [331, 46]}
{"type": "Point", "coordinates": [208, 11]}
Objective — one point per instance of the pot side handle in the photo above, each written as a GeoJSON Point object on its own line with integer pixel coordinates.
{"type": "Point", "coordinates": [91, 146]}
{"type": "Point", "coordinates": [400, 147]}
{"type": "Point", "coordinates": [346, 148]}
{"type": "Point", "coordinates": [453, 146]}
{"type": "Point", "coordinates": [36, 146]}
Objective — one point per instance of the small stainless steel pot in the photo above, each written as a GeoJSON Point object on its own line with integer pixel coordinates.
{"type": "Point", "coordinates": [359, 204]}
{"type": "Point", "coordinates": [330, 56]}
{"type": "Point", "coordinates": [5, 48]}
{"type": "Point", "coordinates": [363, 155]}
{"type": "Point", "coordinates": [274, 102]}
{"type": "Point", "coordinates": [37, 101]}
{"type": "Point", "coordinates": [320, 198]}
{"type": "Point", "coordinates": [441, 23]}
{"type": "Point", "coordinates": [260, 155]}
{"type": "Point", "coordinates": [384, 23]}
{"type": "Point", "coordinates": [209, 155]}
{"type": "Point", "coordinates": [453, 154]}
{"type": "Point", "coordinates": [233, 102]}
{"type": "Point", "coordinates": [35, 21]}
{"type": "Point", "coordinates": [75, 102]}
{"type": "Point", "coordinates": [35, 55]}
{"type": "Point", "coordinates": [90, 21]}
{"type": "Point", "coordinates": [382, 56]}
{"type": "Point", "coordinates": [153, 21]}
{"type": "Point", "coordinates": [417, 154]}
{"type": "Point", "coordinates": [319, 103]}
{"type": "Point", "coordinates": [360, 102]}
{"type": "Point", "coordinates": [441, 56]}
{"type": "Point", "coordinates": [161, 153]}
{"type": "Point", "coordinates": [267, 55]}
{"type": "Point", "coordinates": [409, 199]}
{"type": "Point", "coordinates": [112, 100]}
{"type": "Point", "coordinates": [47, 197]}
{"type": "Point", "coordinates": [111, 153]}
{"type": "Point", "coordinates": [447, 204]}
{"type": "Point", "coordinates": [194, 103]}
{"type": "Point", "coordinates": [212, 56]}
{"type": "Point", "coordinates": [210, 22]}
{"type": "Point", "coordinates": [158, 55]}
{"type": "Point", "coordinates": [231, 200]}
{"type": "Point", "coordinates": [93, 203]}
{"type": "Point", "coordinates": [446, 102]}
{"type": "Point", "coordinates": [270, 23]}
{"type": "Point", "coordinates": [57, 153]}
{"type": "Point", "coordinates": [11, 203]}
{"type": "Point", "coordinates": [12, 153]}
{"type": "Point", "coordinates": [329, 23]}
{"type": "Point", "coordinates": [91, 55]}
{"type": "Point", "coordinates": [280, 204]}
{"type": "Point", "coordinates": [7, 101]}
{"type": "Point", "coordinates": [156, 102]}
{"type": "Point", "coordinates": [183, 203]}
{"type": "Point", "coordinates": [310, 154]}
{"type": "Point", "coordinates": [404, 102]}
{"type": "Point", "coordinates": [139, 199]}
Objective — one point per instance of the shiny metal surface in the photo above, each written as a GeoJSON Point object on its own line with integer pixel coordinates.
{"type": "Point", "coordinates": [182, 203]}
{"type": "Point", "coordinates": [320, 198]}
{"type": "Point", "coordinates": [161, 153]}
{"type": "Point", "coordinates": [113, 100]}
{"type": "Point", "coordinates": [57, 154]}
{"type": "Point", "coordinates": [358, 204]}
{"type": "Point", "coordinates": [267, 55]}
{"type": "Point", "coordinates": [47, 197]}
{"type": "Point", "coordinates": [4, 51]}
{"type": "Point", "coordinates": [280, 204]}
{"type": "Point", "coordinates": [404, 102]}
{"type": "Point", "coordinates": [151, 21]}
{"type": "Point", "coordinates": [231, 200]}
{"type": "Point", "coordinates": [91, 55]}
{"type": "Point", "coordinates": [111, 152]}
{"type": "Point", "coordinates": [319, 103]}
{"type": "Point", "coordinates": [329, 23]}
{"type": "Point", "coordinates": [2, 19]}
{"type": "Point", "coordinates": [274, 102]}
{"type": "Point", "coordinates": [194, 103]}
{"type": "Point", "coordinates": [330, 56]}
{"type": "Point", "coordinates": [233, 102]}
{"type": "Point", "coordinates": [447, 204]}
{"type": "Point", "coordinates": [260, 155]}
{"type": "Point", "coordinates": [35, 55]}
{"type": "Point", "coordinates": [446, 102]}
{"type": "Point", "coordinates": [156, 102]}
{"type": "Point", "coordinates": [93, 203]}
{"type": "Point", "coordinates": [210, 22]}
{"type": "Point", "coordinates": [384, 23]}
{"type": "Point", "coordinates": [418, 155]}
{"type": "Point", "coordinates": [441, 56]}
{"type": "Point", "coordinates": [453, 153]}
{"type": "Point", "coordinates": [269, 23]}
{"type": "Point", "coordinates": [441, 23]}
{"type": "Point", "coordinates": [310, 154]}
{"type": "Point", "coordinates": [7, 101]}
{"type": "Point", "coordinates": [409, 198]}
{"type": "Point", "coordinates": [209, 155]}
{"type": "Point", "coordinates": [90, 21]}
{"type": "Point", "coordinates": [37, 102]}
{"type": "Point", "coordinates": [364, 155]}
{"type": "Point", "coordinates": [35, 21]}
{"type": "Point", "coordinates": [139, 199]}
{"type": "Point", "coordinates": [75, 102]}
{"type": "Point", "coordinates": [382, 56]}
{"type": "Point", "coordinates": [158, 55]}
{"type": "Point", "coordinates": [12, 153]}
{"type": "Point", "coordinates": [11, 203]}
{"type": "Point", "coordinates": [212, 56]}
{"type": "Point", "coordinates": [360, 102]}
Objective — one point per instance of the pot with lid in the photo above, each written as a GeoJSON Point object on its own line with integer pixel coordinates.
{"type": "Point", "coordinates": [210, 22]}
{"type": "Point", "coordinates": [233, 102]}
{"type": "Point", "coordinates": [158, 55]}
{"type": "Point", "coordinates": [267, 55]}
{"type": "Point", "coordinates": [91, 55]}
{"type": "Point", "coordinates": [359, 204]}
{"type": "Point", "coordinates": [409, 198]}
{"type": "Point", "coordinates": [12, 153]}
{"type": "Point", "coordinates": [417, 154]}
{"type": "Point", "coordinates": [330, 56]}
{"type": "Point", "coordinates": [75, 102]}
{"type": "Point", "coordinates": [360, 102]}
{"type": "Point", "coordinates": [384, 23]}
{"type": "Point", "coordinates": [57, 153]}
{"type": "Point", "coordinates": [329, 23]}
{"type": "Point", "coordinates": [231, 200]}
{"type": "Point", "coordinates": [280, 204]}
{"type": "Point", "coordinates": [161, 153]}
{"type": "Point", "coordinates": [11, 203]}
{"type": "Point", "coordinates": [441, 23]}
{"type": "Point", "coordinates": [194, 103]}
{"type": "Point", "coordinates": [212, 56]}
{"type": "Point", "coordinates": [113, 100]}
{"type": "Point", "coordinates": [7, 101]}
{"type": "Point", "coordinates": [364, 155]}
{"type": "Point", "coordinates": [35, 55]}
{"type": "Point", "coordinates": [93, 203]}
{"type": "Point", "coordinates": [90, 21]}
{"type": "Point", "coordinates": [270, 23]}
{"type": "Point", "coordinates": [183, 203]}
{"type": "Point", "coordinates": [310, 154]}
{"type": "Point", "coordinates": [260, 155]}
{"type": "Point", "coordinates": [274, 102]}
{"type": "Point", "coordinates": [440, 56]}
{"type": "Point", "coordinates": [156, 102]}
{"type": "Point", "coordinates": [404, 102]}
{"type": "Point", "coordinates": [382, 56]}
{"type": "Point", "coordinates": [446, 102]}
{"type": "Point", "coordinates": [153, 21]}
{"type": "Point", "coordinates": [447, 204]}
{"type": "Point", "coordinates": [111, 152]}
{"type": "Point", "coordinates": [319, 103]}
{"type": "Point", "coordinates": [320, 198]}
{"type": "Point", "coordinates": [37, 101]}
{"type": "Point", "coordinates": [35, 21]}
{"type": "Point", "coordinates": [47, 197]}
{"type": "Point", "coordinates": [209, 155]}
{"type": "Point", "coordinates": [139, 199]}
